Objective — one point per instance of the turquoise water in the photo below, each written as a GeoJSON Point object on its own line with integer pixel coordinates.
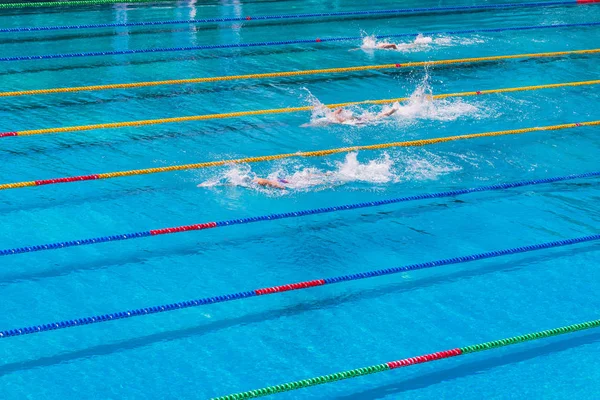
{"type": "Point", "coordinates": [226, 348]}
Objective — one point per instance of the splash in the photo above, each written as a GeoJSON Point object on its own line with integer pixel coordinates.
{"type": "Point", "coordinates": [425, 166]}
{"type": "Point", "coordinates": [420, 43]}
{"type": "Point", "coordinates": [422, 106]}
{"type": "Point", "coordinates": [419, 106]}
{"type": "Point", "coordinates": [238, 175]}
{"type": "Point", "coordinates": [376, 171]}
{"type": "Point", "coordinates": [371, 43]}
{"type": "Point", "coordinates": [321, 115]}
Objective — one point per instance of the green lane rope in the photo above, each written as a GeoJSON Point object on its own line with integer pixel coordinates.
{"type": "Point", "coordinates": [354, 373]}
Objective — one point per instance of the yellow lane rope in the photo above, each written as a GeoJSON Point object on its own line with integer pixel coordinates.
{"type": "Point", "coordinates": [292, 73]}
{"type": "Point", "coordinates": [113, 125]}
{"type": "Point", "coordinates": [316, 153]}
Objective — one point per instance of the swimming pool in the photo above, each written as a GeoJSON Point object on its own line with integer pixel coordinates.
{"type": "Point", "coordinates": [220, 349]}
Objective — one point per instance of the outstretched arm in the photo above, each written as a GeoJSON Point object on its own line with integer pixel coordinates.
{"type": "Point", "coordinates": [268, 183]}
{"type": "Point", "coordinates": [387, 113]}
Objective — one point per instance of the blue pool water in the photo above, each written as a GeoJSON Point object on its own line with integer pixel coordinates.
{"type": "Point", "coordinates": [226, 348]}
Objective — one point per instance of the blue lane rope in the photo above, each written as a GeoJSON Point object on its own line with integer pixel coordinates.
{"type": "Point", "coordinates": [283, 288]}
{"type": "Point", "coordinates": [208, 225]}
{"type": "Point", "coordinates": [285, 42]}
{"type": "Point", "coordinates": [289, 16]}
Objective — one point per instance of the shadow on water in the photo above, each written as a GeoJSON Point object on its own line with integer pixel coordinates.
{"type": "Point", "coordinates": [357, 294]}
{"type": "Point", "coordinates": [55, 36]}
{"type": "Point", "coordinates": [193, 90]}
{"type": "Point", "coordinates": [197, 56]}
{"type": "Point", "coordinates": [471, 368]}
{"type": "Point", "coordinates": [102, 7]}
{"type": "Point", "coordinates": [127, 95]}
{"type": "Point", "coordinates": [195, 247]}
{"type": "Point", "coordinates": [209, 128]}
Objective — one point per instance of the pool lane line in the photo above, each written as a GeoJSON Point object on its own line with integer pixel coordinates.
{"type": "Point", "coordinates": [295, 214]}
{"type": "Point", "coordinates": [315, 153]}
{"type": "Point", "coordinates": [250, 18]}
{"type": "Point", "coordinates": [289, 287]}
{"type": "Point", "coordinates": [33, 4]}
{"type": "Point", "coordinates": [293, 73]}
{"type": "Point", "coordinates": [159, 121]}
{"type": "Point", "coordinates": [440, 355]}
{"type": "Point", "coordinates": [285, 42]}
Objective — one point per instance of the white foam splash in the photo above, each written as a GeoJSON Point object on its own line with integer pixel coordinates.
{"type": "Point", "coordinates": [402, 167]}
{"type": "Point", "coordinates": [371, 43]}
{"type": "Point", "coordinates": [238, 175]}
{"type": "Point", "coordinates": [419, 106]}
{"type": "Point", "coordinates": [420, 43]}
{"type": "Point", "coordinates": [350, 170]}
{"type": "Point", "coordinates": [428, 166]}
{"type": "Point", "coordinates": [374, 171]}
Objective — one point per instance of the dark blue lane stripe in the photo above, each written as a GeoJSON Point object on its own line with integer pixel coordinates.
{"type": "Point", "coordinates": [295, 214]}
{"type": "Point", "coordinates": [284, 288]}
{"type": "Point", "coordinates": [285, 42]}
{"type": "Point", "coordinates": [290, 16]}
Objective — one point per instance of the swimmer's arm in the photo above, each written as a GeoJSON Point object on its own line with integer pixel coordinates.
{"type": "Point", "coordinates": [268, 183]}
{"type": "Point", "coordinates": [384, 114]}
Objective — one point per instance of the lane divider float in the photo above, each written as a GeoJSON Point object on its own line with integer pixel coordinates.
{"type": "Point", "coordinates": [291, 16]}
{"type": "Point", "coordinates": [36, 4]}
{"type": "Point", "coordinates": [301, 154]}
{"type": "Point", "coordinates": [285, 74]}
{"type": "Point", "coordinates": [440, 355]}
{"type": "Point", "coordinates": [287, 42]}
{"type": "Point", "coordinates": [237, 114]}
{"type": "Point", "coordinates": [285, 288]}
{"type": "Point", "coordinates": [295, 214]}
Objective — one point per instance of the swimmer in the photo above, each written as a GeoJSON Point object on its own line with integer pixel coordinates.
{"type": "Point", "coordinates": [387, 46]}
{"type": "Point", "coordinates": [307, 178]}
{"type": "Point", "coordinates": [371, 44]}
{"type": "Point", "coordinates": [284, 184]}
{"type": "Point", "coordinates": [342, 115]}
{"type": "Point", "coordinates": [248, 181]}
{"type": "Point", "coordinates": [382, 46]}
{"type": "Point", "coordinates": [271, 183]}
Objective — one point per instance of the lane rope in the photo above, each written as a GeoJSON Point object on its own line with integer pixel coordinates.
{"type": "Point", "coordinates": [355, 373]}
{"type": "Point", "coordinates": [286, 42]}
{"type": "Point", "coordinates": [316, 153]}
{"type": "Point", "coordinates": [288, 287]}
{"type": "Point", "coordinates": [293, 73]}
{"type": "Point", "coordinates": [32, 4]}
{"type": "Point", "coordinates": [291, 16]}
{"type": "Point", "coordinates": [159, 121]}
{"type": "Point", "coordinates": [295, 214]}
